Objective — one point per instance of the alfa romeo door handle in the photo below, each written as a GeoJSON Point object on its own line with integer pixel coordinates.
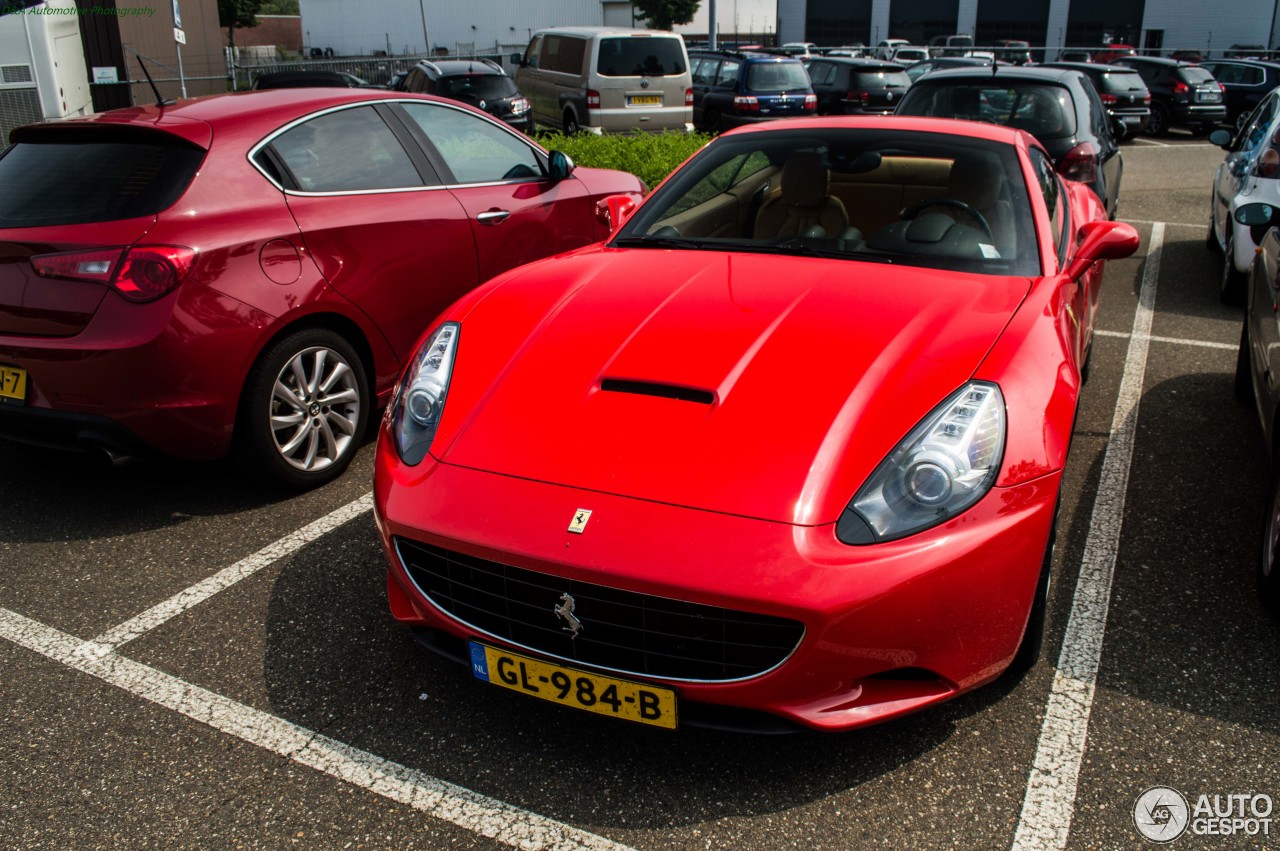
{"type": "Point", "coordinates": [493, 217]}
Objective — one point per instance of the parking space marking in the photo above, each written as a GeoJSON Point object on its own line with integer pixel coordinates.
{"type": "Point", "coordinates": [1200, 225]}
{"type": "Point", "coordinates": [224, 579]}
{"type": "Point", "coordinates": [1177, 341]}
{"type": "Point", "coordinates": [1049, 805]}
{"type": "Point", "coordinates": [440, 799]}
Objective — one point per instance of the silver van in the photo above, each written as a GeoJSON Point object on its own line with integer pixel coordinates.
{"type": "Point", "coordinates": [607, 80]}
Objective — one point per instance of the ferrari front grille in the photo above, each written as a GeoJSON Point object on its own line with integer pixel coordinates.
{"type": "Point", "coordinates": [620, 631]}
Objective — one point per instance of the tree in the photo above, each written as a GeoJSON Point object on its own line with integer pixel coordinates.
{"type": "Point", "coordinates": [665, 14]}
{"type": "Point", "coordinates": [278, 7]}
{"type": "Point", "coordinates": [234, 14]}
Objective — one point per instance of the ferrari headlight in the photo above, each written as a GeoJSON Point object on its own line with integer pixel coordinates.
{"type": "Point", "coordinates": [946, 464]}
{"type": "Point", "coordinates": [419, 404]}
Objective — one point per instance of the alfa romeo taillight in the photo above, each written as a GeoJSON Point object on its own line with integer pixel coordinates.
{"type": "Point", "coordinates": [1268, 164]}
{"type": "Point", "coordinates": [1080, 163]}
{"type": "Point", "coordinates": [139, 274]}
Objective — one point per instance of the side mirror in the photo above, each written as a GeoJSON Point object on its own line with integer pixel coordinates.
{"type": "Point", "coordinates": [517, 59]}
{"type": "Point", "coordinates": [1260, 218]}
{"type": "Point", "coordinates": [613, 212]}
{"type": "Point", "coordinates": [1102, 241]}
{"type": "Point", "coordinates": [1222, 138]}
{"type": "Point", "coordinates": [560, 165]}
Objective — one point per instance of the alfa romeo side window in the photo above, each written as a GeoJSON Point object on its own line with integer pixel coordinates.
{"type": "Point", "coordinates": [344, 151]}
{"type": "Point", "coordinates": [475, 150]}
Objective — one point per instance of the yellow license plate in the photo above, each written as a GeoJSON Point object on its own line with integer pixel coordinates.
{"type": "Point", "coordinates": [639, 702]}
{"type": "Point", "coordinates": [644, 100]}
{"type": "Point", "coordinates": [13, 385]}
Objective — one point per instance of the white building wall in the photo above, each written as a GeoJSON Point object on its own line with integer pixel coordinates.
{"type": "Point", "coordinates": [360, 27]}
{"type": "Point", "coordinates": [751, 16]}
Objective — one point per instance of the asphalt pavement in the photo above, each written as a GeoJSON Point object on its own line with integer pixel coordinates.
{"type": "Point", "coordinates": [187, 661]}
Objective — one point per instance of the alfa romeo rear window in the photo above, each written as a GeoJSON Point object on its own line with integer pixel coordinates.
{"type": "Point", "coordinates": [641, 56]}
{"type": "Point", "coordinates": [78, 178]}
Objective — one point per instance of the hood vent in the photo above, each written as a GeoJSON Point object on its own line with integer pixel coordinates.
{"type": "Point", "coordinates": [662, 391]}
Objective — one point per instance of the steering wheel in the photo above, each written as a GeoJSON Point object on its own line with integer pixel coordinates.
{"type": "Point", "coordinates": [914, 210]}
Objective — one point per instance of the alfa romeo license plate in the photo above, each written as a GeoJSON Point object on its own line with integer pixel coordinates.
{"type": "Point", "coordinates": [639, 702]}
{"type": "Point", "coordinates": [13, 385]}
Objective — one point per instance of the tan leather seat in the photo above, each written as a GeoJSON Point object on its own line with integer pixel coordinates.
{"type": "Point", "coordinates": [978, 182]}
{"type": "Point", "coordinates": [802, 207]}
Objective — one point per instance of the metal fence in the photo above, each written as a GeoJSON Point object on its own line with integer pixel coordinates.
{"type": "Point", "coordinates": [377, 70]}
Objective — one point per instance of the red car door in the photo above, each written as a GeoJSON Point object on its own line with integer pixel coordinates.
{"type": "Point", "coordinates": [377, 222]}
{"type": "Point", "coordinates": [518, 212]}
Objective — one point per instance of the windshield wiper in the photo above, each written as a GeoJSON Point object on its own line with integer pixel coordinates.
{"type": "Point", "coordinates": [658, 242]}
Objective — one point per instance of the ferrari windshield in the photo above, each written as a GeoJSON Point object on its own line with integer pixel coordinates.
{"type": "Point", "coordinates": [890, 196]}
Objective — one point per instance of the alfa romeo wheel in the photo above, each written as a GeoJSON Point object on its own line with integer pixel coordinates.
{"type": "Point", "coordinates": [305, 408]}
{"type": "Point", "coordinates": [1243, 385]}
{"type": "Point", "coordinates": [1268, 576]}
{"type": "Point", "coordinates": [1231, 282]}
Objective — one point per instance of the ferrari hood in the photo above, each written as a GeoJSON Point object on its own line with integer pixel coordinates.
{"type": "Point", "coordinates": [755, 385]}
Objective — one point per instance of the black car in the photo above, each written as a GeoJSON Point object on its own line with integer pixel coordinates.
{"type": "Point", "coordinates": [1014, 51]}
{"type": "Point", "coordinates": [1245, 82]}
{"type": "Point", "coordinates": [1059, 107]}
{"type": "Point", "coordinates": [310, 79]}
{"type": "Point", "coordinates": [916, 70]}
{"type": "Point", "coordinates": [732, 88]}
{"type": "Point", "coordinates": [857, 86]}
{"type": "Point", "coordinates": [1182, 94]}
{"type": "Point", "coordinates": [478, 82]}
{"type": "Point", "coordinates": [1122, 91]}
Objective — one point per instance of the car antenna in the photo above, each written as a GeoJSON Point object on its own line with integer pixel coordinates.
{"type": "Point", "coordinates": [160, 102]}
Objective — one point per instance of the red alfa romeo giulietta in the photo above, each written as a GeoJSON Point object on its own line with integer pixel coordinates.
{"type": "Point", "coordinates": [248, 273]}
{"type": "Point", "coordinates": [785, 451]}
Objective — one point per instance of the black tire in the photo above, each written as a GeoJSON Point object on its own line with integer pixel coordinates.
{"type": "Point", "coordinates": [1268, 572]}
{"type": "Point", "coordinates": [306, 433]}
{"type": "Point", "coordinates": [1211, 238]}
{"type": "Point", "coordinates": [1033, 637]}
{"type": "Point", "coordinates": [571, 125]}
{"type": "Point", "coordinates": [1231, 282]}
{"type": "Point", "coordinates": [1243, 384]}
{"type": "Point", "coordinates": [1159, 123]}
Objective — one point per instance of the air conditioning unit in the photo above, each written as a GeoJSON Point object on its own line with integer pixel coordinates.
{"type": "Point", "coordinates": [42, 68]}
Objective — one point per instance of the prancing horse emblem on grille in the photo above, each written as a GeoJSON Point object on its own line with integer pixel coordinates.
{"type": "Point", "coordinates": [564, 611]}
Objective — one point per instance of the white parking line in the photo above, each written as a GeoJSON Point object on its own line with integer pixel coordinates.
{"type": "Point", "coordinates": [1177, 341]}
{"type": "Point", "coordinates": [1201, 225]}
{"type": "Point", "coordinates": [446, 801]}
{"type": "Point", "coordinates": [224, 579]}
{"type": "Point", "coordinates": [1049, 805]}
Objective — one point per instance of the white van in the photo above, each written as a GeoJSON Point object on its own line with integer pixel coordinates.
{"type": "Point", "coordinates": [607, 80]}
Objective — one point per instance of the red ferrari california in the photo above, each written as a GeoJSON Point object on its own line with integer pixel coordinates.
{"type": "Point", "coordinates": [249, 273]}
{"type": "Point", "coordinates": [785, 451]}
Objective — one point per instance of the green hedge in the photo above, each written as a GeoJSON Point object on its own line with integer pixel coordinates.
{"type": "Point", "coordinates": [650, 157]}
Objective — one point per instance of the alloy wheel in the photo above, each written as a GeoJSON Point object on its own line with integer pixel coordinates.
{"type": "Point", "coordinates": [315, 409]}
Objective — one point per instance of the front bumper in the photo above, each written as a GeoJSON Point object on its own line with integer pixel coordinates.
{"type": "Point", "coordinates": [888, 629]}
